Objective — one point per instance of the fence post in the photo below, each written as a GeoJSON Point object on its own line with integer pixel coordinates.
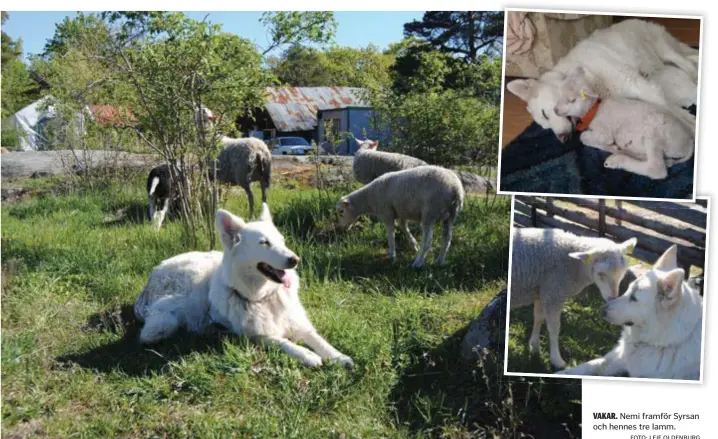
{"type": "Point", "coordinates": [601, 218]}
{"type": "Point", "coordinates": [534, 219]}
{"type": "Point", "coordinates": [619, 207]}
{"type": "Point", "coordinates": [549, 207]}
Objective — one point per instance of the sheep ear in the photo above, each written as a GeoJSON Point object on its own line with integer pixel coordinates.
{"type": "Point", "coordinates": [523, 88]}
{"type": "Point", "coordinates": [628, 246]}
{"type": "Point", "coordinates": [669, 259]}
{"type": "Point", "coordinates": [670, 286]}
{"type": "Point", "coordinates": [374, 144]}
{"type": "Point", "coordinates": [265, 216]}
{"type": "Point", "coordinates": [585, 257]}
{"type": "Point", "coordinates": [229, 227]}
{"type": "Point", "coordinates": [359, 142]}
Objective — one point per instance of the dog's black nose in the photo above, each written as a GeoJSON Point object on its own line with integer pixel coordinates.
{"type": "Point", "coordinates": [293, 261]}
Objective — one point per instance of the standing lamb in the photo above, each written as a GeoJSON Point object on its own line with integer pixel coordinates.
{"type": "Point", "coordinates": [242, 161]}
{"type": "Point", "coordinates": [426, 194]}
{"type": "Point", "coordinates": [159, 193]}
{"type": "Point", "coordinates": [549, 266]}
{"type": "Point", "coordinates": [370, 164]}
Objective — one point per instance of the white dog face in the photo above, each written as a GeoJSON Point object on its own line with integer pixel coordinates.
{"type": "Point", "coordinates": [649, 298]}
{"type": "Point", "coordinates": [541, 97]}
{"type": "Point", "coordinates": [576, 96]}
{"type": "Point", "coordinates": [608, 266]}
{"type": "Point", "coordinates": [257, 248]}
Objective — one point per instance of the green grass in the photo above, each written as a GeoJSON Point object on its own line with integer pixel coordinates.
{"type": "Point", "coordinates": [71, 366]}
{"type": "Point", "coordinates": [585, 335]}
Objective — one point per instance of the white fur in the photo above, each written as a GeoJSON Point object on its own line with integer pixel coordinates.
{"type": "Point", "coordinates": [620, 61]}
{"type": "Point", "coordinates": [195, 289]}
{"type": "Point", "coordinates": [550, 266]}
{"type": "Point", "coordinates": [643, 138]}
{"type": "Point", "coordinates": [662, 318]}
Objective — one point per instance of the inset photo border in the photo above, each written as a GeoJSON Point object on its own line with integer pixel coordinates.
{"type": "Point", "coordinates": [600, 104]}
{"type": "Point", "coordinates": [607, 289]}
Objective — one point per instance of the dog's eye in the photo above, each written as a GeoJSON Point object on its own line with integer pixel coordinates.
{"type": "Point", "coordinates": [544, 114]}
{"type": "Point", "coordinates": [264, 242]}
{"type": "Point", "coordinates": [634, 298]}
{"type": "Point", "coordinates": [572, 100]}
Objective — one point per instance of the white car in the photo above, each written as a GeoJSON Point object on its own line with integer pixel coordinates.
{"type": "Point", "coordinates": [290, 146]}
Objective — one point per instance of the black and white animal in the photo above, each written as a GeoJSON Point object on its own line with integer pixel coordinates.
{"type": "Point", "coordinates": [241, 161]}
{"type": "Point", "coordinates": [159, 194]}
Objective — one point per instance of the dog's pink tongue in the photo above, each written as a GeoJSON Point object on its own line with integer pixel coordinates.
{"type": "Point", "coordinates": [286, 280]}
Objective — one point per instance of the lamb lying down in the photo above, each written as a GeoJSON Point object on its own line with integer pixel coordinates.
{"type": "Point", "coordinates": [426, 194]}
{"type": "Point", "coordinates": [643, 138]}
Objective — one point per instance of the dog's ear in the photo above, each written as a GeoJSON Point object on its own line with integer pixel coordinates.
{"type": "Point", "coordinates": [374, 144]}
{"type": "Point", "coordinates": [670, 287]}
{"type": "Point", "coordinates": [229, 227]}
{"type": "Point", "coordinates": [523, 88]}
{"type": "Point", "coordinates": [585, 257]}
{"type": "Point", "coordinates": [265, 216]}
{"type": "Point", "coordinates": [628, 246]}
{"type": "Point", "coordinates": [359, 142]}
{"type": "Point", "coordinates": [669, 259]}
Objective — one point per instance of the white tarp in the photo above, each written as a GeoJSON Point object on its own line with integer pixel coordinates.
{"type": "Point", "coordinates": [32, 122]}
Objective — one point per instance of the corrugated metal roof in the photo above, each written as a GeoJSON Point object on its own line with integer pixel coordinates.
{"type": "Point", "coordinates": [295, 108]}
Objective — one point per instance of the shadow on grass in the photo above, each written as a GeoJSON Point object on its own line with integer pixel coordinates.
{"type": "Point", "coordinates": [134, 212]}
{"type": "Point", "coordinates": [439, 390]}
{"type": "Point", "coordinates": [128, 356]}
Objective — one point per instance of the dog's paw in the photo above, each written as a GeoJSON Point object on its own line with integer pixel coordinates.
{"type": "Point", "coordinates": [345, 361]}
{"type": "Point", "coordinates": [614, 162]}
{"type": "Point", "coordinates": [312, 360]}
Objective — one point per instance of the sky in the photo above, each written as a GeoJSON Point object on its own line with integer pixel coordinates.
{"type": "Point", "coordinates": [355, 29]}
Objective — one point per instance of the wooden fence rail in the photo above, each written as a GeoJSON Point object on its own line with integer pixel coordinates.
{"type": "Point", "coordinates": [656, 224]}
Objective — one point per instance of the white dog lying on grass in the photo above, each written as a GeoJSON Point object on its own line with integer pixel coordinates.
{"type": "Point", "coordinates": [251, 289]}
{"type": "Point", "coordinates": [662, 319]}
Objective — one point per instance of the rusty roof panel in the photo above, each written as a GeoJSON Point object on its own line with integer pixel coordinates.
{"type": "Point", "coordinates": [295, 108]}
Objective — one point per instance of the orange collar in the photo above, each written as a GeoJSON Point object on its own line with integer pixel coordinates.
{"type": "Point", "coordinates": [587, 118]}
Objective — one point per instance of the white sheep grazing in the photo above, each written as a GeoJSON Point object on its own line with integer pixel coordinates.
{"type": "Point", "coordinates": [425, 194]}
{"type": "Point", "coordinates": [643, 138]}
{"type": "Point", "coordinates": [242, 161]}
{"type": "Point", "coordinates": [550, 266]}
{"type": "Point", "coordinates": [370, 164]}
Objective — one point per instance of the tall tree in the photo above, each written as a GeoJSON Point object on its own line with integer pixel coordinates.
{"type": "Point", "coordinates": [293, 27]}
{"type": "Point", "coordinates": [18, 88]}
{"type": "Point", "coordinates": [302, 66]}
{"type": "Point", "coordinates": [465, 33]}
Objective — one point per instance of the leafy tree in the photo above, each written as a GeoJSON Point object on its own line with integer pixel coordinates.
{"type": "Point", "coordinates": [18, 88]}
{"type": "Point", "coordinates": [303, 66]}
{"type": "Point", "coordinates": [158, 68]}
{"type": "Point", "coordinates": [466, 34]}
{"type": "Point", "coordinates": [441, 127]}
{"type": "Point", "coordinates": [298, 28]}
